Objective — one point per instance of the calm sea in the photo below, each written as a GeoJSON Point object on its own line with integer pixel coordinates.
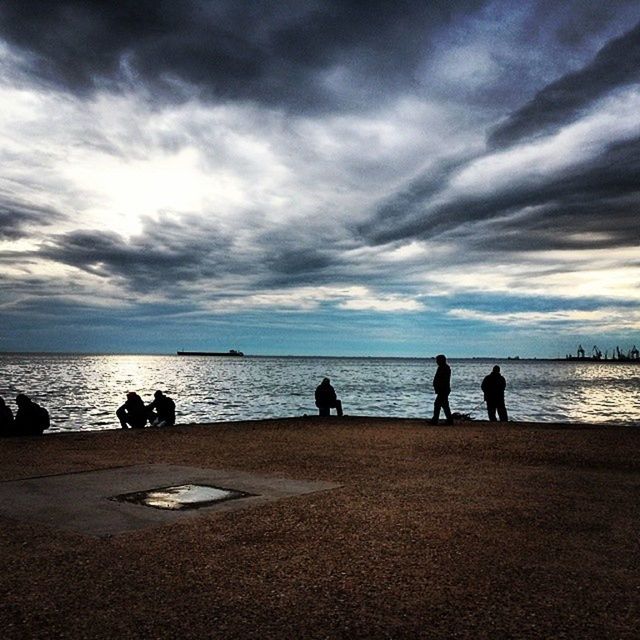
{"type": "Point", "coordinates": [83, 391]}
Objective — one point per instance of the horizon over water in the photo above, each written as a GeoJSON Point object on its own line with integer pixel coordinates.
{"type": "Point", "coordinates": [82, 391]}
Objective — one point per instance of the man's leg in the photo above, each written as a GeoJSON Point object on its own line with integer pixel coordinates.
{"type": "Point", "coordinates": [437, 405]}
{"type": "Point", "coordinates": [339, 407]}
{"type": "Point", "coordinates": [502, 412]}
{"type": "Point", "coordinates": [491, 410]}
{"type": "Point", "coordinates": [324, 411]}
{"type": "Point", "coordinates": [447, 409]}
{"type": "Point", "coordinates": [138, 421]}
{"type": "Point", "coordinates": [122, 416]}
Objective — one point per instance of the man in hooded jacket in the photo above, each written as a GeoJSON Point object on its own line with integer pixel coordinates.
{"type": "Point", "coordinates": [493, 387]}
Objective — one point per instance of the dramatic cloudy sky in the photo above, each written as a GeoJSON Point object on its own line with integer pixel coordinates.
{"type": "Point", "coordinates": [320, 177]}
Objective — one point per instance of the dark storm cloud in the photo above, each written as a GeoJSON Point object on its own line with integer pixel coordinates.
{"type": "Point", "coordinates": [606, 224]}
{"type": "Point", "coordinates": [18, 220]}
{"type": "Point", "coordinates": [166, 253]}
{"type": "Point", "coordinates": [170, 253]}
{"type": "Point", "coordinates": [589, 202]}
{"type": "Point", "coordinates": [616, 65]}
{"type": "Point", "coordinates": [407, 206]}
{"type": "Point", "coordinates": [598, 196]}
{"type": "Point", "coordinates": [290, 261]}
{"type": "Point", "coordinates": [273, 53]}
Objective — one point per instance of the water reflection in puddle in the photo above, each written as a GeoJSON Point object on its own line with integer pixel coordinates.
{"type": "Point", "coordinates": [186, 496]}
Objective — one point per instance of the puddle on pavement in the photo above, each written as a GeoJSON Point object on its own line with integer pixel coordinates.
{"type": "Point", "coordinates": [184, 496]}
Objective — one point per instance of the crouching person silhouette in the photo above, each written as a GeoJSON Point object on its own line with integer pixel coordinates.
{"type": "Point", "coordinates": [31, 419]}
{"type": "Point", "coordinates": [165, 411]}
{"type": "Point", "coordinates": [133, 412]}
{"type": "Point", "coordinates": [326, 399]}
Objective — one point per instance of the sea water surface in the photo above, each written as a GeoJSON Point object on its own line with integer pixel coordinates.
{"type": "Point", "coordinates": [82, 392]}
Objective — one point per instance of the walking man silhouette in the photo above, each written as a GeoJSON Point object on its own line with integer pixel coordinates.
{"type": "Point", "coordinates": [442, 387]}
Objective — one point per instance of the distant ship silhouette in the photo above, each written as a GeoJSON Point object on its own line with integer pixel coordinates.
{"type": "Point", "coordinates": [230, 353]}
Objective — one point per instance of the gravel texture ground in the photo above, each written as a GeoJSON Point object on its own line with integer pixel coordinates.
{"type": "Point", "coordinates": [470, 531]}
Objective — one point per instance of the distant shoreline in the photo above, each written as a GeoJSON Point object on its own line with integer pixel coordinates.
{"type": "Point", "coordinates": [509, 359]}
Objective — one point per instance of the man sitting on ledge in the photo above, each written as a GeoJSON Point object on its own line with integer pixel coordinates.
{"type": "Point", "coordinates": [326, 399]}
{"type": "Point", "coordinates": [165, 411]}
{"type": "Point", "coordinates": [132, 413]}
{"type": "Point", "coordinates": [31, 419]}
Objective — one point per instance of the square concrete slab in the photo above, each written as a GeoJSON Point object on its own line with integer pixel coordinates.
{"type": "Point", "coordinates": [91, 502]}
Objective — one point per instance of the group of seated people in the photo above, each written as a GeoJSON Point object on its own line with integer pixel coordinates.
{"type": "Point", "coordinates": [30, 420]}
{"type": "Point", "coordinates": [135, 414]}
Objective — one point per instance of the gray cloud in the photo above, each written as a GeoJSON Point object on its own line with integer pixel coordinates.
{"type": "Point", "coordinates": [272, 53]}
{"type": "Point", "coordinates": [617, 64]}
{"type": "Point", "coordinates": [586, 203]}
{"type": "Point", "coordinates": [584, 225]}
{"type": "Point", "coordinates": [19, 219]}
{"type": "Point", "coordinates": [598, 196]}
{"type": "Point", "coordinates": [168, 254]}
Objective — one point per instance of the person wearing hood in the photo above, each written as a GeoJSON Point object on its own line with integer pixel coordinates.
{"type": "Point", "coordinates": [133, 413]}
{"type": "Point", "coordinates": [162, 411]}
{"type": "Point", "coordinates": [31, 419]}
{"type": "Point", "coordinates": [326, 399]}
{"type": "Point", "coordinates": [493, 387]}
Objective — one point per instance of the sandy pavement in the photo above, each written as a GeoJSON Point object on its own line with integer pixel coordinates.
{"type": "Point", "coordinates": [470, 531]}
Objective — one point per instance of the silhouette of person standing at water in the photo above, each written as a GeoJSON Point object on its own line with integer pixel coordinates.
{"type": "Point", "coordinates": [493, 387]}
{"type": "Point", "coordinates": [31, 418]}
{"type": "Point", "coordinates": [133, 412]}
{"type": "Point", "coordinates": [6, 419]}
{"type": "Point", "coordinates": [326, 399]}
{"type": "Point", "coordinates": [165, 411]}
{"type": "Point", "coordinates": [442, 387]}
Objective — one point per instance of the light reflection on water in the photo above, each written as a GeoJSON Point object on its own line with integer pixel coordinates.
{"type": "Point", "coordinates": [83, 391]}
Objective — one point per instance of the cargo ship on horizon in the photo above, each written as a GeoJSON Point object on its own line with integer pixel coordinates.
{"type": "Point", "coordinates": [233, 353]}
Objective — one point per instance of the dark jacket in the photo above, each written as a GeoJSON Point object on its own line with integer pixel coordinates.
{"type": "Point", "coordinates": [133, 411]}
{"type": "Point", "coordinates": [6, 420]}
{"type": "Point", "coordinates": [165, 409]}
{"type": "Point", "coordinates": [442, 379]}
{"type": "Point", "coordinates": [31, 419]}
{"type": "Point", "coordinates": [493, 387]}
{"type": "Point", "coordinates": [325, 395]}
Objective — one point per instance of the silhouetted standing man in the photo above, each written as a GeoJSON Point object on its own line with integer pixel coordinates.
{"type": "Point", "coordinates": [326, 399]}
{"type": "Point", "coordinates": [493, 387]}
{"type": "Point", "coordinates": [442, 387]}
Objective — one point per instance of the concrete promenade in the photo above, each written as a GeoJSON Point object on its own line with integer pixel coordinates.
{"type": "Point", "coordinates": [352, 528]}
